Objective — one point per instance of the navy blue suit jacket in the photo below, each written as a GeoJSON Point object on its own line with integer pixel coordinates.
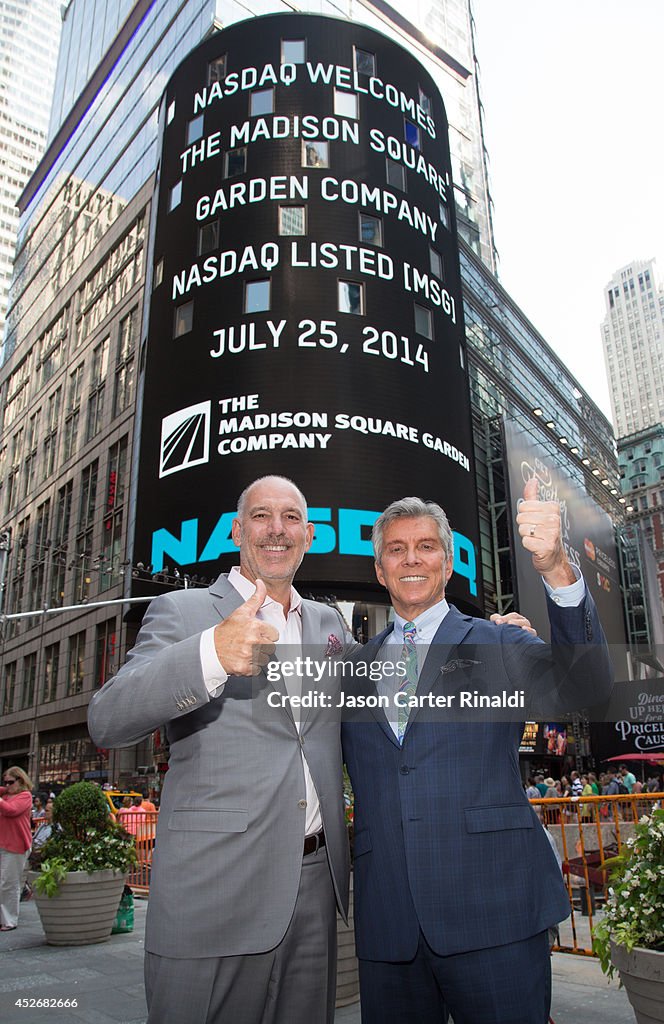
{"type": "Point", "coordinates": [445, 839]}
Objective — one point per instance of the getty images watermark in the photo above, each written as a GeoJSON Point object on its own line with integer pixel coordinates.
{"type": "Point", "coordinates": [374, 671]}
{"type": "Point", "coordinates": [461, 683]}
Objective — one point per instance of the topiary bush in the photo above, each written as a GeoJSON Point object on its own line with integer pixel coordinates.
{"type": "Point", "coordinates": [80, 808]}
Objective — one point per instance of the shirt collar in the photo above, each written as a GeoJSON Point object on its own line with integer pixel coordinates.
{"type": "Point", "coordinates": [247, 589]}
{"type": "Point", "coordinates": [427, 623]}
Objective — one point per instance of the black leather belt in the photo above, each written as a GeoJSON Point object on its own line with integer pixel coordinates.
{"type": "Point", "coordinates": [313, 843]}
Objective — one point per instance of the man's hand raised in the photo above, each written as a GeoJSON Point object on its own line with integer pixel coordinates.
{"type": "Point", "coordinates": [540, 529]}
{"type": "Point", "coordinates": [242, 641]}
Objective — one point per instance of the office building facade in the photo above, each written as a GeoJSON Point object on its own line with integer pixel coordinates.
{"type": "Point", "coordinates": [633, 340]}
{"type": "Point", "coordinates": [641, 461]}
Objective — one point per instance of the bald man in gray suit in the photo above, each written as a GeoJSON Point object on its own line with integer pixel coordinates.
{"type": "Point", "coordinates": [251, 852]}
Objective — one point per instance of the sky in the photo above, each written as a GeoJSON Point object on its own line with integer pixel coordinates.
{"type": "Point", "coordinates": [572, 94]}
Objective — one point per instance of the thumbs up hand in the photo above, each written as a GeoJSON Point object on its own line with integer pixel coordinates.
{"type": "Point", "coordinates": [242, 641]}
{"type": "Point", "coordinates": [539, 526]}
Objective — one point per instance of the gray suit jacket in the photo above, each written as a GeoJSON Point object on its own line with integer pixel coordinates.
{"type": "Point", "coordinates": [228, 851]}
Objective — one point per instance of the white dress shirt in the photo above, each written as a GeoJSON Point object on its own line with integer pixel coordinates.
{"type": "Point", "coordinates": [289, 628]}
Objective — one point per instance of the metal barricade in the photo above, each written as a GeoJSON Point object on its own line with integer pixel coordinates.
{"type": "Point", "coordinates": [139, 876]}
{"type": "Point", "coordinates": [587, 831]}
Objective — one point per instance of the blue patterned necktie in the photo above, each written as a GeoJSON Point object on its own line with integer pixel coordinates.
{"type": "Point", "coordinates": [409, 685]}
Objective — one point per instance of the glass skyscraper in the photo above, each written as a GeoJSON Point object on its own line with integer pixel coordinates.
{"type": "Point", "coordinates": [29, 36]}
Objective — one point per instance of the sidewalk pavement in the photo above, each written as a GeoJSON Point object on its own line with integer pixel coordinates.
{"type": "Point", "coordinates": [106, 981]}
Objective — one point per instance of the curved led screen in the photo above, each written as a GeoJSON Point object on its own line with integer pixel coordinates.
{"type": "Point", "coordinates": [305, 315]}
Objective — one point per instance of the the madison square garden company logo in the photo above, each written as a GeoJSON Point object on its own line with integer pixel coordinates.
{"type": "Point", "coordinates": [185, 439]}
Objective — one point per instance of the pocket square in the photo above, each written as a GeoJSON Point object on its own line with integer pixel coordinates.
{"type": "Point", "coordinates": [452, 666]}
{"type": "Point", "coordinates": [334, 646]}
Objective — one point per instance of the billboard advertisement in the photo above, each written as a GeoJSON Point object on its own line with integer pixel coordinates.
{"type": "Point", "coordinates": [305, 315]}
{"type": "Point", "coordinates": [588, 536]}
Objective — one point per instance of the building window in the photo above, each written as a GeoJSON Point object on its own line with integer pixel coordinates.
{"type": "Point", "coordinates": [293, 51]}
{"type": "Point", "coordinates": [158, 274]}
{"type": "Point", "coordinates": [350, 297]}
{"type": "Point", "coordinates": [194, 130]}
{"type": "Point", "coordinates": [29, 681]}
{"type": "Point", "coordinates": [436, 263]}
{"type": "Point", "coordinates": [10, 688]}
{"type": "Point", "coordinates": [261, 102]}
{"type": "Point", "coordinates": [51, 439]}
{"type": "Point", "coordinates": [371, 229]}
{"type": "Point", "coordinates": [183, 320]}
{"type": "Point", "coordinates": [50, 453]}
{"type": "Point", "coordinates": [257, 296]}
{"type": "Point", "coordinates": [51, 667]}
{"type": "Point", "coordinates": [170, 113]}
{"type": "Point", "coordinates": [175, 196]}
{"type": "Point", "coordinates": [15, 602]}
{"type": "Point", "coordinates": [423, 321]}
{"type": "Point", "coordinates": [60, 544]}
{"type": "Point", "coordinates": [315, 154]}
{"type": "Point", "coordinates": [425, 102]}
{"type": "Point", "coordinates": [105, 651]}
{"type": "Point", "coordinates": [71, 435]}
{"type": "Point", "coordinates": [208, 237]}
{"type": "Point", "coordinates": [292, 220]}
{"type": "Point", "coordinates": [411, 133]}
{"type": "Point", "coordinates": [73, 411]}
{"type": "Point", "coordinates": [395, 174]}
{"type": "Point", "coordinates": [443, 215]}
{"type": "Point", "coordinates": [123, 392]}
{"type": "Point", "coordinates": [88, 499]}
{"type": "Point", "coordinates": [39, 556]}
{"type": "Point", "coordinates": [217, 70]}
{"type": "Point", "coordinates": [30, 465]}
{"type": "Point", "coordinates": [97, 389]}
{"type": "Point", "coordinates": [365, 62]}
{"type": "Point", "coordinates": [76, 666]}
{"type": "Point", "coordinates": [346, 104]}
{"type": "Point", "coordinates": [114, 515]}
{"type": "Point", "coordinates": [235, 162]}
{"type": "Point", "coordinates": [83, 555]}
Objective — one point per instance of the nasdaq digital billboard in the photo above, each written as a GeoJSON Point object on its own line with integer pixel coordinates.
{"type": "Point", "coordinates": [305, 315]}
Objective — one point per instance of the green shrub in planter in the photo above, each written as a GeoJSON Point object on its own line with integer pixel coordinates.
{"type": "Point", "coordinates": [85, 839]}
{"type": "Point", "coordinates": [634, 912]}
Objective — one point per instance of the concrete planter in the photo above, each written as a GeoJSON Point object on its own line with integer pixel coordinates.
{"type": "Point", "coordinates": [642, 974]}
{"type": "Point", "coordinates": [348, 980]}
{"type": "Point", "coordinates": [84, 909]}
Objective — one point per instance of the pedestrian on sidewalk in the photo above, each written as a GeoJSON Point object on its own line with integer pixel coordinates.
{"type": "Point", "coordinates": [15, 841]}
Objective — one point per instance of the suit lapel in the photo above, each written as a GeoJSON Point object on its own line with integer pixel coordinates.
{"type": "Point", "coordinates": [225, 597]}
{"type": "Point", "coordinates": [311, 647]}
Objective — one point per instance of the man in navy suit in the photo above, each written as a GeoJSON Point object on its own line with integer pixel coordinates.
{"type": "Point", "coordinates": [455, 881]}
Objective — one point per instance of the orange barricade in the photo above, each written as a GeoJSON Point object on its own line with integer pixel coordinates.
{"type": "Point", "coordinates": [588, 831]}
{"type": "Point", "coordinates": [139, 877]}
